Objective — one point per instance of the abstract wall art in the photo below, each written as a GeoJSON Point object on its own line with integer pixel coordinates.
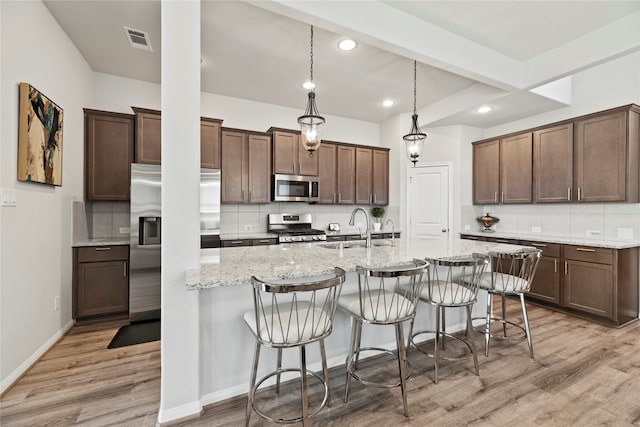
{"type": "Point", "coordinates": [39, 138]}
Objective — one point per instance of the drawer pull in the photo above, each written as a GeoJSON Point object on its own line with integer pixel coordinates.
{"type": "Point", "coordinates": [585, 250]}
{"type": "Point", "coordinates": [471, 237]}
{"type": "Point", "coordinates": [103, 249]}
{"type": "Point", "coordinates": [124, 270]}
{"type": "Point", "coordinates": [566, 267]}
{"type": "Point", "coordinates": [555, 265]}
{"type": "Point", "coordinates": [264, 241]}
{"type": "Point", "coordinates": [495, 197]}
{"type": "Point", "coordinates": [569, 193]}
{"type": "Point", "coordinates": [539, 245]}
{"type": "Point", "coordinates": [237, 242]}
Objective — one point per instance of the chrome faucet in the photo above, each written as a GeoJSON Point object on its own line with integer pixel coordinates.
{"type": "Point", "coordinates": [368, 232]}
{"type": "Point", "coordinates": [393, 231]}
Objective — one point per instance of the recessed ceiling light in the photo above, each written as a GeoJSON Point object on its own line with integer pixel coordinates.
{"type": "Point", "coordinates": [347, 44]}
{"type": "Point", "coordinates": [387, 103]}
{"type": "Point", "coordinates": [309, 85]}
{"type": "Point", "coordinates": [484, 109]}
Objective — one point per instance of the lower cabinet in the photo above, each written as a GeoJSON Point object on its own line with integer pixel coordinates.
{"type": "Point", "coordinates": [599, 283]}
{"type": "Point", "coordinates": [249, 242]}
{"type": "Point", "coordinates": [100, 281]}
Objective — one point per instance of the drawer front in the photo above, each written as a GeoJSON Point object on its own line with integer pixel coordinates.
{"type": "Point", "coordinates": [103, 253]}
{"type": "Point", "coordinates": [233, 243]}
{"type": "Point", "coordinates": [336, 238]}
{"type": "Point", "coordinates": [378, 236]}
{"type": "Point", "coordinates": [263, 242]}
{"type": "Point", "coordinates": [548, 249]}
{"type": "Point", "coordinates": [589, 254]}
{"type": "Point", "coordinates": [470, 237]}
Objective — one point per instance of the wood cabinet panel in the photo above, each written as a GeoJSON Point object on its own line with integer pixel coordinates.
{"type": "Point", "coordinates": [601, 158]}
{"type": "Point", "coordinates": [327, 162]}
{"type": "Point", "coordinates": [546, 282]}
{"type": "Point", "coordinates": [100, 281]}
{"type": "Point", "coordinates": [233, 171]}
{"type": "Point", "coordinates": [380, 177]}
{"type": "Point", "coordinates": [588, 287]}
{"type": "Point", "coordinates": [553, 164]}
{"type": "Point", "coordinates": [516, 162]}
{"type": "Point", "coordinates": [307, 162]}
{"type": "Point", "coordinates": [258, 169]}
{"type": "Point", "coordinates": [109, 140]}
{"type": "Point", "coordinates": [148, 136]}
{"type": "Point", "coordinates": [290, 158]}
{"type": "Point", "coordinates": [345, 176]}
{"type": "Point", "coordinates": [209, 144]}
{"type": "Point", "coordinates": [486, 172]}
{"type": "Point", "coordinates": [364, 165]}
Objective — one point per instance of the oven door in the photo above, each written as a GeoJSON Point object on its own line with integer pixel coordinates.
{"type": "Point", "coordinates": [294, 188]}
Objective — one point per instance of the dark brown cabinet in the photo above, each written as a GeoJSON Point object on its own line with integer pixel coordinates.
{"type": "Point", "coordinates": [108, 155]}
{"type": "Point", "coordinates": [210, 143]}
{"type": "Point", "coordinates": [327, 163]}
{"type": "Point", "coordinates": [148, 136]}
{"type": "Point", "coordinates": [486, 172]}
{"type": "Point", "coordinates": [364, 184]}
{"type": "Point", "coordinates": [245, 171]}
{"type": "Point", "coordinates": [380, 178]}
{"type": "Point", "coordinates": [516, 154]}
{"type": "Point", "coordinates": [593, 282]}
{"type": "Point", "coordinates": [606, 157]}
{"type": "Point", "coordinates": [345, 175]}
{"type": "Point", "coordinates": [553, 164]}
{"type": "Point", "coordinates": [100, 281]}
{"type": "Point", "coordinates": [289, 157]}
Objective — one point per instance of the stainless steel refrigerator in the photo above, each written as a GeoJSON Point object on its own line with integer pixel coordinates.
{"type": "Point", "coordinates": [146, 234]}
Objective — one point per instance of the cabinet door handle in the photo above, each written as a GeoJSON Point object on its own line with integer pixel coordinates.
{"type": "Point", "coordinates": [502, 197]}
{"type": "Point", "coordinates": [585, 250]}
{"type": "Point", "coordinates": [242, 195]}
{"type": "Point", "coordinates": [569, 193]}
{"type": "Point", "coordinates": [555, 265]}
{"type": "Point", "coordinates": [333, 199]}
{"type": "Point", "coordinates": [579, 193]}
{"type": "Point", "coordinates": [264, 241]}
{"type": "Point", "coordinates": [495, 197]}
{"type": "Point", "coordinates": [124, 270]}
{"type": "Point", "coordinates": [375, 198]}
{"type": "Point", "coordinates": [249, 196]}
{"type": "Point", "coordinates": [237, 242]}
{"type": "Point", "coordinates": [370, 199]}
{"type": "Point", "coordinates": [103, 249]}
{"type": "Point", "coordinates": [566, 267]}
{"type": "Point", "coordinates": [339, 197]}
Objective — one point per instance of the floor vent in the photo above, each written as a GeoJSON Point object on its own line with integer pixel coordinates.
{"type": "Point", "coordinates": [138, 39]}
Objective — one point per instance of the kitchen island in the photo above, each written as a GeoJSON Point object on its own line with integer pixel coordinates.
{"type": "Point", "coordinates": [224, 294]}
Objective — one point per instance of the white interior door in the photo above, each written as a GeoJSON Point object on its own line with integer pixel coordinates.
{"type": "Point", "coordinates": [428, 201]}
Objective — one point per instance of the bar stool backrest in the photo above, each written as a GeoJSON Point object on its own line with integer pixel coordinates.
{"type": "Point", "coordinates": [290, 313]}
{"type": "Point", "coordinates": [389, 295]}
{"type": "Point", "coordinates": [514, 272]}
{"type": "Point", "coordinates": [454, 280]}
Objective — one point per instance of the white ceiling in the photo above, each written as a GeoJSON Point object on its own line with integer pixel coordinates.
{"type": "Point", "coordinates": [469, 52]}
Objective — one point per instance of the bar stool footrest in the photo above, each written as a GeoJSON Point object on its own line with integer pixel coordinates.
{"type": "Point", "coordinates": [427, 353]}
{"type": "Point", "coordinates": [481, 329]}
{"type": "Point", "coordinates": [354, 375]}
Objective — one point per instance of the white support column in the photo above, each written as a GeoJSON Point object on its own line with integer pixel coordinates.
{"type": "Point", "coordinates": [180, 352]}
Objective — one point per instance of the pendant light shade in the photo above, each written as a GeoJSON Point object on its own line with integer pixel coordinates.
{"type": "Point", "coordinates": [415, 138]}
{"type": "Point", "coordinates": [311, 121]}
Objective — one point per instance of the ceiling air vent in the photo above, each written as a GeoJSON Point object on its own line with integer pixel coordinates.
{"type": "Point", "coordinates": [138, 39]}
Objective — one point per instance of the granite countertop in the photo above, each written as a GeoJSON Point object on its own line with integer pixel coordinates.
{"type": "Point", "coordinates": [235, 266]}
{"type": "Point", "coordinates": [101, 241]}
{"type": "Point", "coordinates": [565, 240]}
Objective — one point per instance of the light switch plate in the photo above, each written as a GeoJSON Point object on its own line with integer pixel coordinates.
{"type": "Point", "coordinates": [125, 230]}
{"type": "Point", "coordinates": [625, 233]}
{"type": "Point", "coordinates": [535, 229]}
{"type": "Point", "coordinates": [593, 233]}
{"type": "Point", "coordinates": [9, 197]}
{"type": "Point", "coordinates": [467, 227]}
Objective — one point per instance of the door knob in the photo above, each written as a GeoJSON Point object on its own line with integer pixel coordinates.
{"type": "Point", "coordinates": [444, 230]}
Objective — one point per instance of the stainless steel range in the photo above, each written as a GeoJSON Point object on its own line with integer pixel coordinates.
{"type": "Point", "coordinates": [294, 228]}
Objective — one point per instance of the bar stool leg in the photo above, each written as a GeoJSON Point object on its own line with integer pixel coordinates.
{"type": "Point", "coordinates": [437, 345]}
{"type": "Point", "coordinates": [443, 325]}
{"type": "Point", "coordinates": [526, 325]}
{"type": "Point", "coordinates": [252, 384]}
{"type": "Point", "coordinates": [402, 367]}
{"type": "Point", "coordinates": [352, 349]}
{"type": "Point", "coordinates": [323, 354]}
{"type": "Point", "coordinates": [358, 342]}
{"type": "Point", "coordinates": [303, 377]}
{"type": "Point", "coordinates": [279, 367]}
{"type": "Point", "coordinates": [504, 314]}
{"type": "Point", "coordinates": [487, 329]}
{"type": "Point", "coordinates": [471, 341]}
{"type": "Point", "coordinates": [410, 334]}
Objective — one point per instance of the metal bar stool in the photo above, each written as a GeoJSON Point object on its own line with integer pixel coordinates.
{"type": "Point", "coordinates": [386, 296]}
{"type": "Point", "coordinates": [511, 275]}
{"type": "Point", "coordinates": [445, 289]}
{"type": "Point", "coordinates": [288, 314]}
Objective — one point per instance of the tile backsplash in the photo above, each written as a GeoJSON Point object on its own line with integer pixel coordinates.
{"type": "Point", "coordinates": [100, 219]}
{"type": "Point", "coordinates": [596, 221]}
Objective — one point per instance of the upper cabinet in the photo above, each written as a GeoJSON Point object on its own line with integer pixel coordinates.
{"type": "Point", "coordinates": [148, 136]}
{"type": "Point", "coordinates": [380, 179]}
{"type": "Point", "coordinates": [148, 146]}
{"type": "Point", "coordinates": [606, 157]}
{"type": "Point", "coordinates": [245, 172]}
{"type": "Point", "coordinates": [289, 157]}
{"type": "Point", "coordinates": [345, 175]}
{"type": "Point", "coordinates": [553, 164]}
{"type": "Point", "coordinates": [592, 158]}
{"type": "Point", "coordinates": [108, 155]}
{"type": "Point", "coordinates": [364, 186]}
{"type": "Point", "coordinates": [327, 164]}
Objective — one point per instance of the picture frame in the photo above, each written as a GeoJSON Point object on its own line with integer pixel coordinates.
{"type": "Point", "coordinates": [39, 138]}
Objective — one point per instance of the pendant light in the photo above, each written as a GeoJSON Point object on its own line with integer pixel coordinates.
{"type": "Point", "coordinates": [415, 138]}
{"type": "Point", "coordinates": [311, 122]}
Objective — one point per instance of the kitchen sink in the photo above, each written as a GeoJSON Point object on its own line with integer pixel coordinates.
{"type": "Point", "coordinates": [354, 244]}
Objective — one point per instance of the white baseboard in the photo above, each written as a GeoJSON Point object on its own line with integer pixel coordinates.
{"type": "Point", "coordinates": [24, 366]}
{"type": "Point", "coordinates": [179, 413]}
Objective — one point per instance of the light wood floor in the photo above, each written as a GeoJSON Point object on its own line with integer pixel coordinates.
{"type": "Point", "coordinates": [584, 374]}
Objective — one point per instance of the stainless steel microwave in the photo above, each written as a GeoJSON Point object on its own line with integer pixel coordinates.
{"type": "Point", "coordinates": [295, 188]}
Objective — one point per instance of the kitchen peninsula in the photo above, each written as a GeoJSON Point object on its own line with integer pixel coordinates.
{"type": "Point", "coordinates": [223, 285]}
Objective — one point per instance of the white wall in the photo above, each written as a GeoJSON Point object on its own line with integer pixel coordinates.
{"type": "Point", "coordinates": [36, 235]}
